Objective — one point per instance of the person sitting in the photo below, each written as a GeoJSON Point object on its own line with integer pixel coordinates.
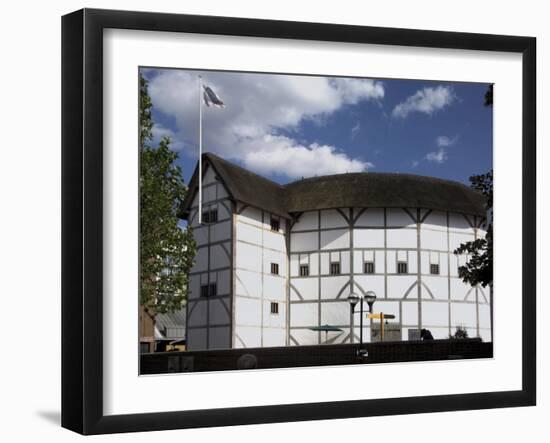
{"type": "Point", "coordinates": [425, 334]}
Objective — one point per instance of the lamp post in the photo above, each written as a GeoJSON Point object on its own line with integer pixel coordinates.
{"type": "Point", "coordinates": [353, 299]}
{"type": "Point", "coordinates": [370, 296]}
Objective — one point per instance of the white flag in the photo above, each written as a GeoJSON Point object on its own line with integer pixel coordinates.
{"type": "Point", "coordinates": [210, 98]}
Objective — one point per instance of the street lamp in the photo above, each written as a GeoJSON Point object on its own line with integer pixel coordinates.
{"type": "Point", "coordinates": [353, 299]}
{"type": "Point", "coordinates": [370, 296]}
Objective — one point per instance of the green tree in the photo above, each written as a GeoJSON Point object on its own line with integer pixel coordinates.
{"type": "Point", "coordinates": [166, 250]}
{"type": "Point", "coordinates": [479, 268]}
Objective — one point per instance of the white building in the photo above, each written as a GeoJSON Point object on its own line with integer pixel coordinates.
{"type": "Point", "coordinates": [274, 261]}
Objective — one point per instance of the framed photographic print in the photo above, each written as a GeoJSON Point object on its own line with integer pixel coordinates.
{"type": "Point", "coordinates": [311, 221]}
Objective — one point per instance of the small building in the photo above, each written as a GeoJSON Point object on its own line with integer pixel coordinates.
{"type": "Point", "coordinates": [170, 331]}
{"type": "Point", "coordinates": [274, 261]}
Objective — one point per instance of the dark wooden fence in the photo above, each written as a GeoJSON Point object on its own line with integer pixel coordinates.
{"type": "Point", "coordinates": [300, 356]}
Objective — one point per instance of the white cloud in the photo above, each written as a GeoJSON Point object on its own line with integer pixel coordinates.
{"type": "Point", "coordinates": [443, 140]}
{"type": "Point", "coordinates": [415, 163]}
{"type": "Point", "coordinates": [258, 108]}
{"type": "Point", "coordinates": [282, 155]}
{"type": "Point", "coordinates": [439, 156]}
{"type": "Point", "coordinates": [426, 100]}
{"type": "Point", "coordinates": [355, 130]}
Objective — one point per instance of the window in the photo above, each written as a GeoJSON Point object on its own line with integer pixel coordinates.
{"type": "Point", "coordinates": [204, 290]}
{"type": "Point", "coordinates": [213, 290]}
{"type": "Point", "coordinates": [275, 224]}
{"type": "Point", "coordinates": [335, 268]}
{"type": "Point", "coordinates": [210, 216]}
{"type": "Point", "coordinates": [213, 216]}
{"type": "Point", "coordinates": [304, 270]}
{"type": "Point", "coordinates": [369, 267]}
{"type": "Point", "coordinates": [402, 267]}
{"type": "Point", "coordinates": [275, 268]}
{"type": "Point", "coordinates": [274, 308]}
{"type": "Point", "coordinates": [434, 269]}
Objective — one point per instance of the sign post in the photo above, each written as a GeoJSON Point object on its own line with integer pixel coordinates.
{"type": "Point", "coordinates": [381, 316]}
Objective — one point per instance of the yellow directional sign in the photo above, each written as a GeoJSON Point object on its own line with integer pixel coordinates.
{"type": "Point", "coordinates": [381, 316]}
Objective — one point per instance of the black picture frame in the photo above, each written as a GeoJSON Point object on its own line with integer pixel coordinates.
{"type": "Point", "coordinates": [82, 219]}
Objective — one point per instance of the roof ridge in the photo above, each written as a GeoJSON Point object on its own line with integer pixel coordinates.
{"type": "Point", "coordinates": [378, 173]}
{"type": "Point", "coordinates": [211, 155]}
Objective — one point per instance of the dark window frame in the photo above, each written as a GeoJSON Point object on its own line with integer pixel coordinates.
{"type": "Point", "coordinates": [212, 289]}
{"type": "Point", "coordinates": [214, 215]}
{"type": "Point", "coordinates": [275, 224]}
{"type": "Point", "coordinates": [434, 269]}
{"type": "Point", "coordinates": [369, 268]}
{"type": "Point", "coordinates": [274, 268]}
{"type": "Point", "coordinates": [304, 270]}
{"type": "Point", "coordinates": [274, 308]}
{"type": "Point", "coordinates": [335, 268]}
{"type": "Point", "coordinates": [205, 290]}
{"type": "Point", "coordinates": [401, 265]}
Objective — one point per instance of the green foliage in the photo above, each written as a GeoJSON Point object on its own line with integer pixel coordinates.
{"type": "Point", "coordinates": [460, 332]}
{"type": "Point", "coordinates": [479, 268]}
{"type": "Point", "coordinates": [166, 251]}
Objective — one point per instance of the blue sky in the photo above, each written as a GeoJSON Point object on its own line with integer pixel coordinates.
{"type": "Point", "coordinates": [286, 127]}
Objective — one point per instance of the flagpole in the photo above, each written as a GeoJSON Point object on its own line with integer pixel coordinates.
{"type": "Point", "coordinates": [200, 150]}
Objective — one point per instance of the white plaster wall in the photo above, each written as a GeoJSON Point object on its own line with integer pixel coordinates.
{"type": "Point", "coordinates": [401, 238]}
{"type": "Point", "coordinates": [435, 314]}
{"type": "Point", "coordinates": [456, 239]}
{"type": "Point", "coordinates": [331, 218]}
{"type": "Point", "coordinates": [306, 221]}
{"type": "Point", "coordinates": [335, 313]}
{"type": "Point", "coordinates": [257, 247]}
{"type": "Point", "coordinates": [248, 337]}
{"type": "Point", "coordinates": [247, 282]}
{"type": "Point", "coordinates": [370, 283]}
{"type": "Point", "coordinates": [305, 241]}
{"type": "Point", "coordinates": [220, 256]}
{"type": "Point", "coordinates": [275, 288]}
{"type": "Point", "coordinates": [399, 218]}
{"type": "Point", "coordinates": [433, 239]}
{"type": "Point", "coordinates": [196, 339]}
{"type": "Point", "coordinates": [249, 233]}
{"type": "Point", "coordinates": [209, 175]}
{"type": "Point", "coordinates": [303, 337]}
{"type": "Point", "coordinates": [219, 337]}
{"type": "Point", "coordinates": [398, 285]}
{"type": "Point", "coordinates": [410, 314]}
{"type": "Point", "coordinates": [370, 217]}
{"type": "Point", "coordinates": [273, 337]}
{"type": "Point", "coordinates": [248, 257]}
{"type": "Point", "coordinates": [248, 311]}
{"type": "Point", "coordinates": [304, 314]}
{"type": "Point", "coordinates": [334, 285]}
{"type": "Point", "coordinates": [436, 220]}
{"type": "Point", "coordinates": [219, 311]}
{"type": "Point", "coordinates": [335, 239]}
{"type": "Point", "coordinates": [304, 289]}
{"type": "Point", "coordinates": [463, 314]}
{"type": "Point", "coordinates": [438, 287]}
{"type": "Point", "coordinates": [368, 238]}
{"type": "Point", "coordinates": [197, 313]}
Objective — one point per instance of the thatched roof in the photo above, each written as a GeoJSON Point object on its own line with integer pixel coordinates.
{"type": "Point", "coordinates": [242, 185]}
{"type": "Point", "coordinates": [359, 190]}
{"type": "Point", "coordinates": [379, 190]}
